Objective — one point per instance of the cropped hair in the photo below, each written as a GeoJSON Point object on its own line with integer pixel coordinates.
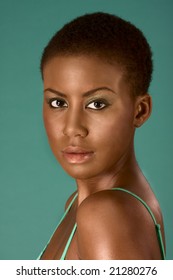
{"type": "Point", "coordinates": [110, 38]}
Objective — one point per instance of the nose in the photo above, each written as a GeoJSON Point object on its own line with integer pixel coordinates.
{"type": "Point", "coordinates": [75, 124]}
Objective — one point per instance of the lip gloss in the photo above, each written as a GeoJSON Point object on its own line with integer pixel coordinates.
{"type": "Point", "coordinates": [77, 154]}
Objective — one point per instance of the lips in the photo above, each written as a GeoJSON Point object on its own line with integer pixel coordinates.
{"type": "Point", "coordinates": [75, 154]}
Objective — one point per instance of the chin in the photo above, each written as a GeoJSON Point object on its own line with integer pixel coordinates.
{"type": "Point", "coordinates": [79, 172]}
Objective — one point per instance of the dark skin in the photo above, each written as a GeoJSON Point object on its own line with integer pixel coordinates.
{"type": "Point", "coordinates": [90, 118]}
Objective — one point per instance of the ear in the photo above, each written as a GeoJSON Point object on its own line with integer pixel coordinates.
{"type": "Point", "coordinates": [143, 108]}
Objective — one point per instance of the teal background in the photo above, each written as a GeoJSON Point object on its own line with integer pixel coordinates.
{"type": "Point", "coordinates": [33, 187]}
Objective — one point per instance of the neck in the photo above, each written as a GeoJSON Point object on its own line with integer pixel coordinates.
{"type": "Point", "coordinates": [125, 173]}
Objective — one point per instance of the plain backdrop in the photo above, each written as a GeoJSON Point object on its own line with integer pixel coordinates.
{"type": "Point", "coordinates": [33, 187]}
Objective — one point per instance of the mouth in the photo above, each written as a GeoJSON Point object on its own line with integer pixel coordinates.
{"type": "Point", "coordinates": [74, 154]}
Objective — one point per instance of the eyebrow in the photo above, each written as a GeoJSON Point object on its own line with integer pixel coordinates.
{"type": "Point", "coordinates": [85, 94]}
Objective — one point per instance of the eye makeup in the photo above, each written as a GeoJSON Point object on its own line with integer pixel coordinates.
{"type": "Point", "coordinates": [97, 104]}
{"type": "Point", "coordinates": [96, 101]}
{"type": "Point", "coordinates": [56, 103]}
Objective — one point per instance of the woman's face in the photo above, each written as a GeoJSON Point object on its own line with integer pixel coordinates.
{"type": "Point", "coordinates": [88, 115]}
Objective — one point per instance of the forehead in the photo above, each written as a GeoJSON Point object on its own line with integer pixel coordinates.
{"type": "Point", "coordinates": [83, 72]}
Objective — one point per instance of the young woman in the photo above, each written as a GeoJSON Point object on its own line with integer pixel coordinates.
{"type": "Point", "coordinates": [96, 72]}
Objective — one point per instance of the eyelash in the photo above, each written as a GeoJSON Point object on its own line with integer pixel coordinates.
{"type": "Point", "coordinates": [62, 102]}
{"type": "Point", "coordinates": [98, 101]}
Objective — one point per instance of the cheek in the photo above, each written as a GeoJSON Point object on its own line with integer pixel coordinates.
{"type": "Point", "coordinates": [52, 126]}
{"type": "Point", "coordinates": [114, 129]}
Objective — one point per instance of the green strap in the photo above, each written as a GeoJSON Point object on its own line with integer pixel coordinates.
{"type": "Point", "coordinates": [140, 199]}
{"type": "Point", "coordinates": [65, 213]}
{"type": "Point", "coordinates": [68, 208]}
{"type": "Point", "coordinates": [73, 230]}
{"type": "Point", "coordinates": [157, 226]}
{"type": "Point", "coordinates": [68, 242]}
{"type": "Point", "coordinates": [160, 239]}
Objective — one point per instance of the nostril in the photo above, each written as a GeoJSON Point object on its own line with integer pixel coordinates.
{"type": "Point", "coordinates": [75, 131]}
{"type": "Point", "coordinates": [75, 123]}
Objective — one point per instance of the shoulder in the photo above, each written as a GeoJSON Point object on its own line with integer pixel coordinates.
{"type": "Point", "coordinates": [113, 225]}
{"type": "Point", "coordinates": [109, 202]}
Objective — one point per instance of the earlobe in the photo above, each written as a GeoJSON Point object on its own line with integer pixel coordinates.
{"type": "Point", "coordinates": [143, 108]}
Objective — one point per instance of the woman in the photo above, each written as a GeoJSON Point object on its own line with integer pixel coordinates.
{"type": "Point", "coordinates": [96, 72]}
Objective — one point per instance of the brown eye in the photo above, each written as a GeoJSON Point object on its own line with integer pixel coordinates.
{"type": "Point", "coordinates": [96, 105]}
{"type": "Point", "coordinates": [57, 103]}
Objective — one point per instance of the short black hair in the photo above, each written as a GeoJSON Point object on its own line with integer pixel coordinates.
{"type": "Point", "coordinates": [110, 38]}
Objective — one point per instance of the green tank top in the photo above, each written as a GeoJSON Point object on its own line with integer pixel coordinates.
{"type": "Point", "coordinates": [157, 226]}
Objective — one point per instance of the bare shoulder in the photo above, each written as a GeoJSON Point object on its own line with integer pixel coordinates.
{"type": "Point", "coordinates": [114, 225]}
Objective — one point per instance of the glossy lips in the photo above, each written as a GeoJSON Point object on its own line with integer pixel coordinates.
{"type": "Point", "coordinates": [74, 154]}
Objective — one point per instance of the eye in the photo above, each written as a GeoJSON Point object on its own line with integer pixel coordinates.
{"type": "Point", "coordinates": [57, 103]}
{"type": "Point", "coordinates": [97, 105]}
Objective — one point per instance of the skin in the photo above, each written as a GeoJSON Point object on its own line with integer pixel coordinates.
{"type": "Point", "coordinates": [90, 118]}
